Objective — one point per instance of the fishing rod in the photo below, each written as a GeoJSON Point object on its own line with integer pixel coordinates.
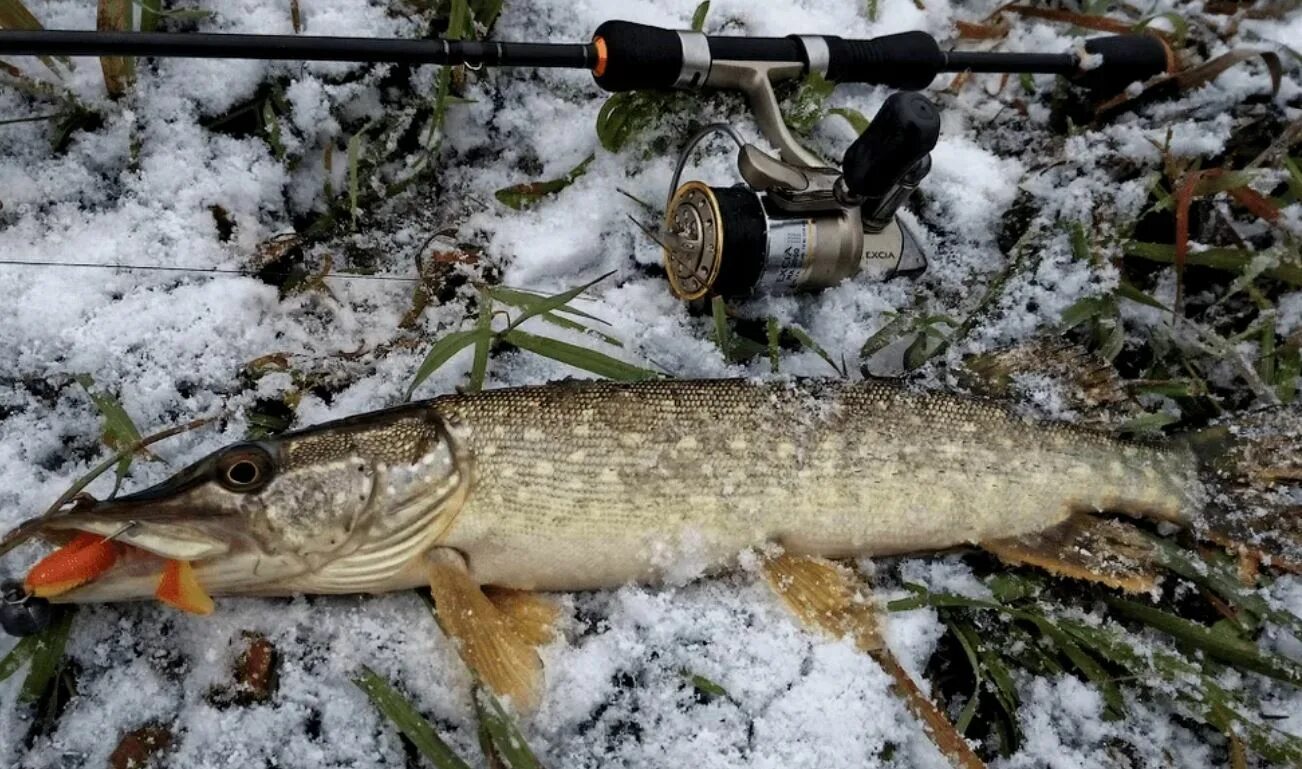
{"type": "Point", "coordinates": [797, 222]}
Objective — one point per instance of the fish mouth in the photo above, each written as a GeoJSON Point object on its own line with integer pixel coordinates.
{"type": "Point", "coordinates": [124, 549]}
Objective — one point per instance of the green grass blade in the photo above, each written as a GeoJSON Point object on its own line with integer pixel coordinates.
{"type": "Point", "coordinates": [706, 686]}
{"type": "Point", "coordinates": [852, 116]}
{"type": "Point", "coordinates": [554, 302]}
{"type": "Point", "coordinates": [803, 111]}
{"type": "Point", "coordinates": [1235, 651]}
{"type": "Point", "coordinates": [807, 342]}
{"type": "Point", "coordinates": [354, 161]}
{"type": "Point", "coordinates": [698, 16]}
{"type": "Point", "coordinates": [1086, 664]}
{"type": "Point", "coordinates": [18, 656]}
{"type": "Point", "coordinates": [883, 337]}
{"type": "Point", "coordinates": [627, 114]}
{"type": "Point", "coordinates": [119, 431]}
{"type": "Point", "coordinates": [521, 196]}
{"type": "Point", "coordinates": [504, 737]}
{"type": "Point", "coordinates": [486, 11]}
{"type": "Point", "coordinates": [1224, 259]}
{"type": "Point", "coordinates": [150, 13]}
{"type": "Point", "coordinates": [1002, 680]}
{"type": "Point", "coordinates": [722, 333]}
{"type": "Point", "coordinates": [458, 18]}
{"type": "Point", "coordinates": [1174, 677]}
{"type": "Point", "coordinates": [1147, 424]}
{"type": "Point", "coordinates": [528, 299]}
{"type": "Point", "coordinates": [1081, 250]}
{"type": "Point", "coordinates": [966, 638]}
{"type": "Point", "coordinates": [441, 352]}
{"type": "Point", "coordinates": [409, 721]}
{"type": "Point", "coordinates": [1221, 581]}
{"type": "Point", "coordinates": [1294, 177]}
{"type": "Point", "coordinates": [47, 656]}
{"type": "Point", "coordinates": [580, 357]}
{"type": "Point", "coordinates": [1126, 290]}
{"type": "Point", "coordinates": [774, 331]}
{"type": "Point", "coordinates": [1082, 310]}
{"type": "Point", "coordinates": [483, 342]}
{"type": "Point", "coordinates": [563, 322]}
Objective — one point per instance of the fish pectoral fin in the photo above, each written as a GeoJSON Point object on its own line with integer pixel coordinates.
{"type": "Point", "coordinates": [532, 616]}
{"type": "Point", "coordinates": [1086, 547]}
{"type": "Point", "coordinates": [485, 637]}
{"type": "Point", "coordinates": [831, 597]}
{"type": "Point", "coordinates": [825, 595]}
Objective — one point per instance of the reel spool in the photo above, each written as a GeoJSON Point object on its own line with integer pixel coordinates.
{"type": "Point", "coordinates": [796, 226]}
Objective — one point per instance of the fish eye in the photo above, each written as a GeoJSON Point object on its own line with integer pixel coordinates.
{"type": "Point", "coordinates": [244, 469]}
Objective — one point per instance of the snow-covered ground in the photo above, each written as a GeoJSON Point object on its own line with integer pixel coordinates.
{"type": "Point", "coordinates": [141, 188]}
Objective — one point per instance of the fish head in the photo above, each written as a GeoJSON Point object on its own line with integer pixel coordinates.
{"type": "Point", "coordinates": [343, 507]}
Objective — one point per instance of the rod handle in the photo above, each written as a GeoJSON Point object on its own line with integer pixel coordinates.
{"type": "Point", "coordinates": [1126, 58]}
{"type": "Point", "coordinates": [907, 60]}
{"type": "Point", "coordinates": [633, 57]}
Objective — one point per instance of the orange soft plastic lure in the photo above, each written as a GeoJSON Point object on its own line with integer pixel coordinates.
{"type": "Point", "coordinates": [180, 589]}
{"type": "Point", "coordinates": [83, 559]}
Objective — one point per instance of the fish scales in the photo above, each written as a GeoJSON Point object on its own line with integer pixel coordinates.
{"type": "Point", "coordinates": [587, 485]}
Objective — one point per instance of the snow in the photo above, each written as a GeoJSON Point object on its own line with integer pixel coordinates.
{"type": "Point", "coordinates": [141, 189]}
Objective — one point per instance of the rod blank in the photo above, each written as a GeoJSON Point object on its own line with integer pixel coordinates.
{"type": "Point", "coordinates": [198, 45]}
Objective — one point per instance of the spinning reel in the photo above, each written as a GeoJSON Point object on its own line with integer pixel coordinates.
{"type": "Point", "coordinates": [798, 224]}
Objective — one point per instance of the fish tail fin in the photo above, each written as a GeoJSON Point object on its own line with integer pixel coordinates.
{"type": "Point", "coordinates": [1253, 463]}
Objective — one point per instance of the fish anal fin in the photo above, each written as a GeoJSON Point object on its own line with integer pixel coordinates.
{"type": "Point", "coordinates": [832, 598]}
{"type": "Point", "coordinates": [1085, 547]}
{"type": "Point", "coordinates": [532, 616]}
{"type": "Point", "coordinates": [824, 595]}
{"type": "Point", "coordinates": [485, 637]}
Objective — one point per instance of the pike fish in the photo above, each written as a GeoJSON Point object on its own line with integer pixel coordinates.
{"type": "Point", "coordinates": [488, 497]}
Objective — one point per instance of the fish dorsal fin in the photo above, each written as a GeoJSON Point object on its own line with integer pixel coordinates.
{"type": "Point", "coordinates": [1057, 378]}
{"type": "Point", "coordinates": [485, 637]}
{"type": "Point", "coordinates": [1086, 547]}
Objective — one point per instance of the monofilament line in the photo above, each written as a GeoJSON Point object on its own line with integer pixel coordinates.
{"type": "Point", "coordinates": [198, 270]}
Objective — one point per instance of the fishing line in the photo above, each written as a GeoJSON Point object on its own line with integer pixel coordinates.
{"type": "Point", "coordinates": [203, 270]}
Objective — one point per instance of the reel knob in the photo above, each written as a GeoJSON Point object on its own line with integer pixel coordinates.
{"type": "Point", "coordinates": [888, 160]}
